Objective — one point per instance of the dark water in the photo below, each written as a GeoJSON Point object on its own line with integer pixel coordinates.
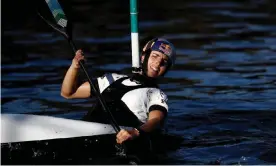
{"type": "Point", "coordinates": [222, 90]}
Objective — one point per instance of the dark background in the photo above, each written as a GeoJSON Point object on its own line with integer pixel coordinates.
{"type": "Point", "coordinates": [221, 90]}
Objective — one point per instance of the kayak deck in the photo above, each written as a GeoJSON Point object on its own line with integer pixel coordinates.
{"type": "Point", "coordinates": [25, 127]}
{"type": "Point", "coordinates": [34, 139]}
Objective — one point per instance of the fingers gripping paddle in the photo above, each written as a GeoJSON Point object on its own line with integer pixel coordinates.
{"type": "Point", "coordinates": [61, 26]}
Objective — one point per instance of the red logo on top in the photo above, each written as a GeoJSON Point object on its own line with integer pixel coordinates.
{"type": "Point", "coordinates": [165, 48]}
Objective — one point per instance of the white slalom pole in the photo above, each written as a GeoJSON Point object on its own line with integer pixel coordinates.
{"type": "Point", "coordinates": [134, 37]}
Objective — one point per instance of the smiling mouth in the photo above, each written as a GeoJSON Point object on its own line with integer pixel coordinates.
{"type": "Point", "coordinates": [154, 69]}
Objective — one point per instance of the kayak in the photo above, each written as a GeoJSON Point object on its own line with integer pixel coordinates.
{"type": "Point", "coordinates": [26, 127]}
{"type": "Point", "coordinates": [36, 139]}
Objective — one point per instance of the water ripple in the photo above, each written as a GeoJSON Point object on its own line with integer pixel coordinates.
{"type": "Point", "coordinates": [221, 90]}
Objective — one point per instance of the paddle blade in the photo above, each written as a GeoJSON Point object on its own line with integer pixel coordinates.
{"type": "Point", "coordinates": [57, 12]}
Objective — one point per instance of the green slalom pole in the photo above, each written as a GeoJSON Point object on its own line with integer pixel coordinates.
{"type": "Point", "coordinates": [134, 37]}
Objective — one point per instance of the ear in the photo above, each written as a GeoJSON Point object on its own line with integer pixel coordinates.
{"type": "Point", "coordinates": [142, 58]}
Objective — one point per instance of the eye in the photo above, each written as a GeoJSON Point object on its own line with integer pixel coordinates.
{"type": "Point", "coordinates": [164, 62]}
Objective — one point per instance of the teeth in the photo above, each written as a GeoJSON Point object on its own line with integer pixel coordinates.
{"type": "Point", "coordinates": [155, 69]}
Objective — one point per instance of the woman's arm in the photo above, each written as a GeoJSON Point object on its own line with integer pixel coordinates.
{"type": "Point", "coordinates": [69, 87]}
{"type": "Point", "coordinates": [156, 118]}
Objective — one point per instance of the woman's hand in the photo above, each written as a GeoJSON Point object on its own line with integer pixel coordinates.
{"type": "Point", "coordinates": [125, 135]}
{"type": "Point", "coordinates": [78, 57]}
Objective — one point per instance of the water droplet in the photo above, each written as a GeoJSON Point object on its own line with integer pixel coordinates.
{"type": "Point", "coordinates": [243, 160]}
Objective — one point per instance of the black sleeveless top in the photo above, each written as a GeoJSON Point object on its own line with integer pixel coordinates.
{"type": "Point", "coordinates": [112, 96]}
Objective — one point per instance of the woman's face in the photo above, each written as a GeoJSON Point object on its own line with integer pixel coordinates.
{"type": "Point", "coordinates": [157, 64]}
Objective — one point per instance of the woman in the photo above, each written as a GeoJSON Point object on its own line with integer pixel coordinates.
{"type": "Point", "coordinates": [135, 100]}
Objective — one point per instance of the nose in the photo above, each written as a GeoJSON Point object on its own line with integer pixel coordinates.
{"type": "Point", "coordinates": [159, 61]}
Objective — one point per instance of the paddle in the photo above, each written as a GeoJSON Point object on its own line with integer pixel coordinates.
{"type": "Point", "coordinates": [61, 27]}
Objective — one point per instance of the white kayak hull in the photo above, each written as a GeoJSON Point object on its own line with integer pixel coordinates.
{"type": "Point", "coordinates": [25, 127]}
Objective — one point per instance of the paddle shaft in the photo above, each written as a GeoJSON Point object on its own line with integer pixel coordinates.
{"type": "Point", "coordinates": [62, 21]}
{"type": "Point", "coordinates": [99, 96]}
